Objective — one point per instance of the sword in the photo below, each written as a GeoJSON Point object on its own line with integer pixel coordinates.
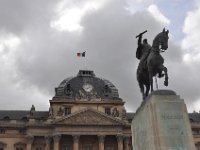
{"type": "Point", "coordinates": [141, 34]}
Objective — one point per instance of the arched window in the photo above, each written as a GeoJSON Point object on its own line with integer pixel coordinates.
{"type": "Point", "coordinates": [68, 90]}
{"type": "Point", "coordinates": [20, 146]}
{"type": "Point", "coordinates": [106, 91]}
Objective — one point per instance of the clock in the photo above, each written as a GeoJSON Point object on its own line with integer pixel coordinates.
{"type": "Point", "coordinates": [87, 87]}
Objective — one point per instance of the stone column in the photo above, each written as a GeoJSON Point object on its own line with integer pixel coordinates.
{"type": "Point", "coordinates": [29, 142]}
{"type": "Point", "coordinates": [120, 142]}
{"type": "Point", "coordinates": [56, 139]}
{"type": "Point", "coordinates": [101, 141]}
{"type": "Point", "coordinates": [76, 142]}
{"type": "Point", "coordinates": [127, 142]}
{"type": "Point", "coordinates": [48, 142]}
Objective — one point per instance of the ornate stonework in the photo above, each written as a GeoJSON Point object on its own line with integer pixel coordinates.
{"type": "Point", "coordinates": [101, 138]}
{"type": "Point", "coordinates": [76, 137]}
{"type": "Point", "coordinates": [90, 117]}
{"type": "Point", "coordinates": [30, 139]}
{"type": "Point", "coordinates": [48, 139]}
{"type": "Point", "coordinates": [56, 137]}
{"type": "Point", "coordinates": [94, 116]}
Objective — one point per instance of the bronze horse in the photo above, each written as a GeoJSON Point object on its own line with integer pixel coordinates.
{"type": "Point", "coordinates": [154, 64]}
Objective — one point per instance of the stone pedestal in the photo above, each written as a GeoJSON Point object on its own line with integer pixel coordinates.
{"type": "Point", "coordinates": [162, 123]}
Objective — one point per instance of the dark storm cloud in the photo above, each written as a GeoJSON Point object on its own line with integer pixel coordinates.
{"type": "Point", "coordinates": [46, 56]}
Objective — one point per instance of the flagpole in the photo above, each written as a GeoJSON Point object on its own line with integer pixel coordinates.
{"type": "Point", "coordinates": [85, 62]}
{"type": "Point", "coordinates": [82, 56]}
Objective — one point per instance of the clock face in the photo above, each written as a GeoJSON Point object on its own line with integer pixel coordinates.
{"type": "Point", "coordinates": [87, 87]}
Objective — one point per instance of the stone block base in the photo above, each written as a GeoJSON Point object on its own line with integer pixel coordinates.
{"type": "Point", "coordinates": [162, 123]}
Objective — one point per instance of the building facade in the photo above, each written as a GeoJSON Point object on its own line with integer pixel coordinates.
{"type": "Point", "coordinates": [86, 113]}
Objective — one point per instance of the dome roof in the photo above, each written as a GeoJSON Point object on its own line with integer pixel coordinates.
{"type": "Point", "coordinates": [86, 86]}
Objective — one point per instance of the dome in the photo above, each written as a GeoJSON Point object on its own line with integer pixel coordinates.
{"type": "Point", "coordinates": [86, 86]}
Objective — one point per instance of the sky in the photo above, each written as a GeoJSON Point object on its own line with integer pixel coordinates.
{"type": "Point", "coordinates": [39, 40]}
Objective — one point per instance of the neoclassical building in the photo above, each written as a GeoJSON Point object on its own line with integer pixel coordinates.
{"type": "Point", "coordinates": [86, 113]}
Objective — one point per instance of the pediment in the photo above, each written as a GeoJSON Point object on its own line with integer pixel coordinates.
{"type": "Point", "coordinates": [89, 117]}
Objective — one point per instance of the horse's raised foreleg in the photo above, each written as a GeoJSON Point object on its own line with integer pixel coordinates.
{"type": "Point", "coordinates": [163, 68]}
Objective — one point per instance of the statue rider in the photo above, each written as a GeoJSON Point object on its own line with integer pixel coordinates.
{"type": "Point", "coordinates": [142, 52]}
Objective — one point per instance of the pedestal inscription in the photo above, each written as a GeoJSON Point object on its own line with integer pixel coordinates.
{"type": "Point", "coordinates": [162, 123]}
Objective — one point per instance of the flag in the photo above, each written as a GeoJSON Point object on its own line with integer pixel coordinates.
{"type": "Point", "coordinates": [81, 54]}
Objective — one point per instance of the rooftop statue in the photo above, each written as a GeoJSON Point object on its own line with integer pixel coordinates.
{"type": "Point", "coordinates": [151, 61]}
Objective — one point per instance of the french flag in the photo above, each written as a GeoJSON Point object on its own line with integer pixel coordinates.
{"type": "Point", "coordinates": [81, 54]}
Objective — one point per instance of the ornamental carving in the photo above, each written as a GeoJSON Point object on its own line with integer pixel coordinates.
{"type": "Point", "coordinates": [60, 111]}
{"type": "Point", "coordinates": [90, 117]}
{"type": "Point", "coordinates": [127, 139]}
{"type": "Point", "coordinates": [56, 137]}
{"type": "Point", "coordinates": [50, 111]}
{"type": "Point", "coordinates": [76, 138]}
{"type": "Point", "coordinates": [101, 138]}
{"type": "Point", "coordinates": [32, 110]}
{"type": "Point", "coordinates": [84, 95]}
{"type": "Point", "coordinates": [115, 112]}
{"type": "Point", "coordinates": [120, 138]}
{"type": "Point", "coordinates": [48, 139]}
{"type": "Point", "coordinates": [68, 91]}
{"type": "Point", "coordinates": [30, 139]}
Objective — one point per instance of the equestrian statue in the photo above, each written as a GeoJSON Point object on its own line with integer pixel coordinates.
{"type": "Point", "coordinates": [151, 61]}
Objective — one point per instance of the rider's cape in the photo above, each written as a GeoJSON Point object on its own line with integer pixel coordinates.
{"type": "Point", "coordinates": [139, 52]}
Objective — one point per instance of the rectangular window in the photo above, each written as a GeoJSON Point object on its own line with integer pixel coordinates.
{"type": "Point", "coordinates": [87, 147]}
{"type": "Point", "coordinates": [195, 131]}
{"type": "Point", "coordinates": [67, 111]}
{"type": "Point", "coordinates": [66, 148]}
{"type": "Point", "coordinates": [108, 111]}
{"type": "Point", "coordinates": [22, 131]}
{"type": "Point", "coordinates": [197, 147]}
{"type": "Point", "coordinates": [2, 131]}
{"type": "Point", "coordinates": [108, 148]}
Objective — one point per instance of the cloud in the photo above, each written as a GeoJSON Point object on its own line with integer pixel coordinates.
{"type": "Point", "coordinates": [190, 48]}
{"type": "Point", "coordinates": [45, 54]}
{"type": "Point", "coordinates": [153, 9]}
{"type": "Point", "coordinates": [70, 14]}
{"type": "Point", "coordinates": [192, 30]}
